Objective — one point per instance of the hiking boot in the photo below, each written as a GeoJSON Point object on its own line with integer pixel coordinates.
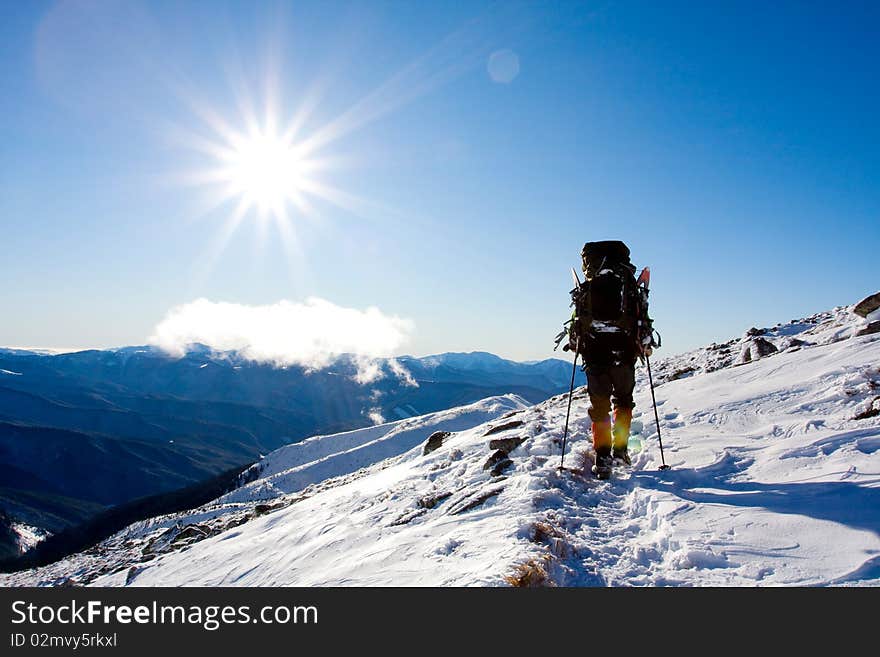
{"type": "Point", "coordinates": [602, 467]}
{"type": "Point", "coordinates": [621, 454]}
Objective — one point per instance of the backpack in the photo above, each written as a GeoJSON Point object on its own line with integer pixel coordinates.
{"type": "Point", "coordinates": [608, 300]}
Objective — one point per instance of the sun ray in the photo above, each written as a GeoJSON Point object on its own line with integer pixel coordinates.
{"type": "Point", "coordinates": [218, 244]}
{"type": "Point", "coordinates": [341, 199]}
{"type": "Point", "coordinates": [275, 168]}
{"type": "Point", "coordinates": [453, 56]}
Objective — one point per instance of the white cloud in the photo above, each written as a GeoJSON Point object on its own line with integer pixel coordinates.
{"type": "Point", "coordinates": [309, 334]}
{"type": "Point", "coordinates": [402, 373]}
{"type": "Point", "coordinates": [368, 371]}
{"type": "Point", "coordinates": [376, 416]}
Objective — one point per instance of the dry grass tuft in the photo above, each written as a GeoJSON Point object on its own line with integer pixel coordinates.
{"type": "Point", "coordinates": [542, 532]}
{"type": "Point", "coordinates": [530, 574]}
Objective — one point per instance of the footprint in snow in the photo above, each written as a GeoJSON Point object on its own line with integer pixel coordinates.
{"type": "Point", "coordinates": [702, 560]}
{"type": "Point", "coordinates": [447, 548]}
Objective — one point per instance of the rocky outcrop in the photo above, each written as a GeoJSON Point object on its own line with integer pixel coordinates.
{"type": "Point", "coordinates": [682, 373]}
{"type": "Point", "coordinates": [474, 500]}
{"type": "Point", "coordinates": [432, 500]}
{"type": "Point", "coordinates": [867, 305]}
{"type": "Point", "coordinates": [496, 457]}
{"type": "Point", "coordinates": [795, 343]}
{"type": "Point", "coordinates": [764, 347]}
{"type": "Point", "coordinates": [506, 445]}
{"type": "Point", "coordinates": [872, 410]}
{"type": "Point", "coordinates": [873, 327]}
{"type": "Point", "coordinates": [504, 427]}
{"type": "Point", "coordinates": [435, 441]}
{"type": "Point", "coordinates": [197, 532]}
{"type": "Point", "coordinates": [757, 348]}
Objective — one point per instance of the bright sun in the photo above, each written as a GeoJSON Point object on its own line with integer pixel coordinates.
{"type": "Point", "coordinates": [268, 167]}
{"type": "Point", "coordinates": [265, 171]}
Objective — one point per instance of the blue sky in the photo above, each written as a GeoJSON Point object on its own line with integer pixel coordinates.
{"type": "Point", "coordinates": [734, 146]}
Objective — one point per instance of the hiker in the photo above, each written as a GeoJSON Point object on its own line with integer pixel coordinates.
{"type": "Point", "coordinates": [610, 329]}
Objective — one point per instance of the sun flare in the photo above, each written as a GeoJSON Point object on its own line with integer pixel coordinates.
{"type": "Point", "coordinates": [272, 164]}
{"type": "Point", "coordinates": [265, 171]}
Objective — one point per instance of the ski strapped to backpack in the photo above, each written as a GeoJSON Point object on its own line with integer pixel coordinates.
{"type": "Point", "coordinates": [648, 338]}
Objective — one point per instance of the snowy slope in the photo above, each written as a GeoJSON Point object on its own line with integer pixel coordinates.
{"type": "Point", "coordinates": [293, 467]}
{"type": "Point", "coordinates": [775, 481]}
{"type": "Point", "coordinates": [28, 536]}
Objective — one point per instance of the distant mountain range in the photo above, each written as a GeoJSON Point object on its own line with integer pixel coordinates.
{"type": "Point", "coordinates": [81, 432]}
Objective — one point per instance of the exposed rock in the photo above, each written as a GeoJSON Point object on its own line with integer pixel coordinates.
{"type": "Point", "coordinates": [197, 532]}
{"type": "Point", "coordinates": [408, 516]}
{"type": "Point", "coordinates": [430, 501]}
{"type": "Point", "coordinates": [474, 500]}
{"type": "Point", "coordinates": [435, 441]}
{"type": "Point", "coordinates": [504, 427]}
{"type": "Point", "coordinates": [496, 457]}
{"type": "Point", "coordinates": [873, 327]}
{"type": "Point", "coordinates": [867, 305]}
{"type": "Point", "coordinates": [680, 374]}
{"type": "Point", "coordinates": [872, 411]}
{"type": "Point", "coordinates": [261, 509]}
{"type": "Point", "coordinates": [133, 572]}
{"type": "Point", "coordinates": [755, 331]}
{"type": "Point", "coordinates": [506, 445]}
{"type": "Point", "coordinates": [500, 467]}
{"type": "Point", "coordinates": [757, 348]}
{"type": "Point", "coordinates": [764, 347]}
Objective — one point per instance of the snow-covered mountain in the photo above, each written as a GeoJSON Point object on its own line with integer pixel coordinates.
{"type": "Point", "coordinates": [773, 438]}
{"type": "Point", "coordinates": [82, 433]}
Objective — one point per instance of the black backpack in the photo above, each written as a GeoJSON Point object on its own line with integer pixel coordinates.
{"type": "Point", "coordinates": [607, 301]}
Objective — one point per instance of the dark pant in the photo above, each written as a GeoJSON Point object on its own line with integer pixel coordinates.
{"type": "Point", "coordinates": [610, 384]}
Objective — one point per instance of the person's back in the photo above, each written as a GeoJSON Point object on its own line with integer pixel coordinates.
{"type": "Point", "coordinates": [610, 328]}
{"type": "Point", "coordinates": [606, 304]}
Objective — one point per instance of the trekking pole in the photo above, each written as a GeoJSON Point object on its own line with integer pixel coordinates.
{"type": "Point", "coordinates": [656, 416]}
{"type": "Point", "coordinates": [570, 394]}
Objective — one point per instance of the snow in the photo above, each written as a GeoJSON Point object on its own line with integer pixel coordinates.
{"type": "Point", "coordinates": [292, 468]}
{"type": "Point", "coordinates": [28, 536]}
{"type": "Point", "coordinates": [775, 481]}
